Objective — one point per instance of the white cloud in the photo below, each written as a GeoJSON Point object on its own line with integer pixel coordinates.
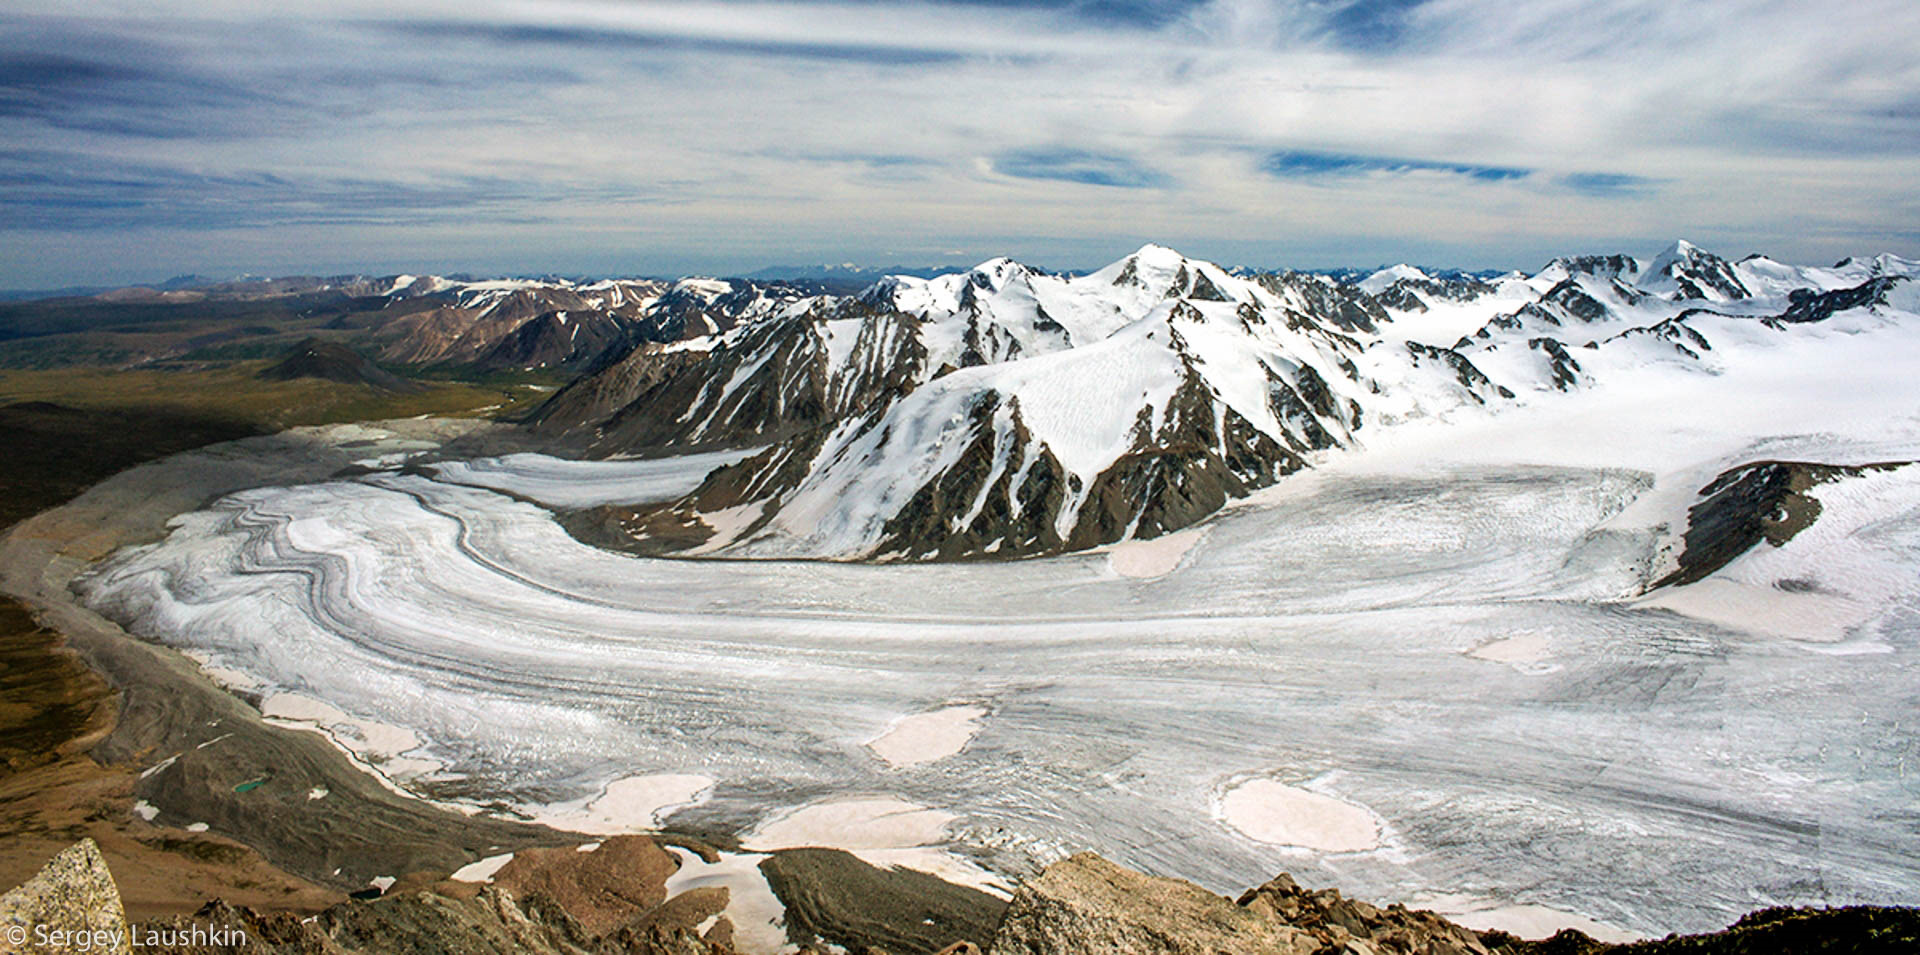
{"type": "Point", "coordinates": [719, 135]}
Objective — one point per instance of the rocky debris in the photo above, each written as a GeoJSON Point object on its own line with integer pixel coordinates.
{"type": "Point", "coordinates": [1087, 904]}
{"type": "Point", "coordinates": [838, 903]}
{"type": "Point", "coordinates": [611, 901]}
{"type": "Point", "coordinates": [72, 898]}
{"type": "Point", "coordinates": [834, 897]}
{"type": "Point", "coordinates": [331, 361]}
{"type": "Point", "coordinates": [1852, 930]}
{"type": "Point", "coordinates": [1349, 925]}
{"type": "Point", "coordinates": [1761, 500]}
{"type": "Point", "coordinates": [603, 889]}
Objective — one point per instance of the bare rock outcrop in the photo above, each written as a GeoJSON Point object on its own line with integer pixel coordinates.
{"type": "Point", "coordinates": [72, 898]}
{"type": "Point", "coordinates": [1087, 904]}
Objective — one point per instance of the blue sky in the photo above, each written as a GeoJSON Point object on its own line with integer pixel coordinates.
{"type": "Point", "coordinates": [148, 138]}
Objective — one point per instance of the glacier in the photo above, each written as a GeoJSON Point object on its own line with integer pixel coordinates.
{"type": "Point", "coordinates": [1441, 635]}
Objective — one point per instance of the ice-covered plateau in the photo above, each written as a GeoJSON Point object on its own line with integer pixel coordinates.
{"type": "Point", "coordinates": [1563, 590]}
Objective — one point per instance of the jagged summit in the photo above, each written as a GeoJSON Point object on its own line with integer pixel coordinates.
{"type": "Point", "coordinates": [1691, 272]}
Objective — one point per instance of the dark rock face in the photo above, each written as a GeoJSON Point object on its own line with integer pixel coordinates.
{"type": "Point", "coordinates": [769, 383]}
{"type": "Point", "coordinates": [1172, 478]}
{"type": "Point", "coordinates": [1477, 384]}
{"type": "Point", "coordinates": [832, 896]}
{"type": "Point", "coordinates": [1015, 517]}
{"type": "Point", "coordinates": [1342, 306]}
{"type": "Point", "coordinates": [1696, 274]}
{"type": "Point", "coordinates": [1562, 366]}
{"type": "Point", "coordinates": [1411, 295]}
{"type": "Point", "coordinates": [318, 358]}
{"type": "Point", "coordinates": [1575, 300]}
{"type": "Point", "coordinates": [1806, 305]}
{"type": "Point", "coordinates": [1610, 266]}
{"type": "Point", "coordinates": [1763, 501]}
{"type": "Point", "coordinates": [1685, 340]}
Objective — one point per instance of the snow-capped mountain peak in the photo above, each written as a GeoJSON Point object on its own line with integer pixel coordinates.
{"type": "Point", "coordinates": [1378, 282]}
{"type": "Point", "coordinates": [1686, 271]}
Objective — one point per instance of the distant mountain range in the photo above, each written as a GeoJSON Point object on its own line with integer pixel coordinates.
{"type": "Point", "coordinates": [1008, 411]}
{"type": "Point", "coordinates": [1005, 411]}
{"type": "Point", "coordinates": [846, 272]}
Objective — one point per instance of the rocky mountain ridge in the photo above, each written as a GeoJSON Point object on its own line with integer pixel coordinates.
{"type": "Point", "coordinates": [1006, 411]}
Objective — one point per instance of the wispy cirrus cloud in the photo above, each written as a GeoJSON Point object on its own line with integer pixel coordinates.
{"type": "Point", "coordinates": [1306, 164]}
{"type": "Point", "coordinates": [1608, 183]}
{"type": "Point", "coordinates": [1088, 168]}
{"type": "Point", "coordinates": [694, 134]}
{"type": "Point", "coordinates": [91, 194]}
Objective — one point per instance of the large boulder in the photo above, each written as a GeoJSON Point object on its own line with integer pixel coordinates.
{"type": "Point", "coordinates": [71, 905]}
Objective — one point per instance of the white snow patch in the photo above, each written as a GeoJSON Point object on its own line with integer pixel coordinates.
{"type": "Point", "coordinates": [1157, 557]}
{"type": "Point", "coordinates": [632, 804]}
{"type": "Point", "coordinates": [1525, 920]}
{"type": "Point", "coordinates": [1526, 652]}
{"type": "Point", "coordinates": [1272, 812]}
{"type": "Point", "coordinates": [861, 822]}
{"type": "Point", "coordinates": [483, 870]}
{"type": "Point", "coordinates": [756, 913]}
{"type": "Point", "coordinates": [927, 737]}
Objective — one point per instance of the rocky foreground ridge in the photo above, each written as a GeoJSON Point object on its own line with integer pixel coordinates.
{"type": "Point", "coordinates": [614, 900]}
